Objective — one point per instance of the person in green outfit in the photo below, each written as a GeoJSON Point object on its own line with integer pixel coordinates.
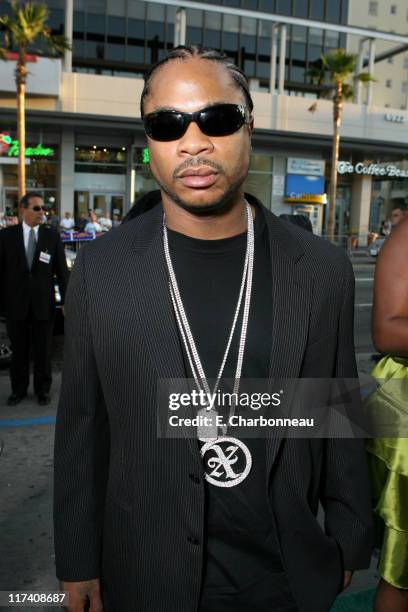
{"type": "Point", "coordinates": [389, 456]}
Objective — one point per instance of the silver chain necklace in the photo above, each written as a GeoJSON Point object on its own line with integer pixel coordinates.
{"type": "Point", "coordinates": [221, 459]}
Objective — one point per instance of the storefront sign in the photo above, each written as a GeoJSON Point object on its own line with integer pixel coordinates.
{"type": "Point", "coordinates": [10, 148]}
{"type": "Point", "coordinates": [307, 167]}
{"type": "Point", "coordinates": [394, 117]}
{"type": "Point", "coordinates": [145, 156]}
{"type": "Point", "coordinates": [300, 188]}
{"type": "Point", "coordinates": [389, 170]}
{"type": "Point", "coordinates": [309, 198]}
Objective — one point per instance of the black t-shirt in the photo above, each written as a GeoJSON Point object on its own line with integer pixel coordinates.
{"type": "Point", "coordinates": [242, 565]}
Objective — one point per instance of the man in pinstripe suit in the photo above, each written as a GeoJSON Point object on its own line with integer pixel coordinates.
{"type": "Point", "coordinates": [140, 522]}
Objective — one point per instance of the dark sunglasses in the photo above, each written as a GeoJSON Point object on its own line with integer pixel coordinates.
{"type": "Point", "coordinates": [217, 120]}
{"type": "Point", "coordinates": [37, 208]}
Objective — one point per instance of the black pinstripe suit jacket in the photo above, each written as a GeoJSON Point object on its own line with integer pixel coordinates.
{"type": "Point", "coordinates": [128, 506]}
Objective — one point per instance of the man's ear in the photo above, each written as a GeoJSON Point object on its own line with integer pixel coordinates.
{"type": "Point", "coordinates": [251, 126]}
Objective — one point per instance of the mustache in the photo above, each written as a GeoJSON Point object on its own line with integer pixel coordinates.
{"type": "Point", "coordinates": [198, 162]}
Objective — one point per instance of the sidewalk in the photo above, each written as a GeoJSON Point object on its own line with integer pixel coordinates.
{"type": "Point", "coordinates": [26, 464]}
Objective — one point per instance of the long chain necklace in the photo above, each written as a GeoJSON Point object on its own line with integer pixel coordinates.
{"type": "Point", "coordinates": [223, 451]}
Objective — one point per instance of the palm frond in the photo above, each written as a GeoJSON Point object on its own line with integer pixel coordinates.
{"type": "Point", "coordinates": [4, 22]}
{"type": "Point", "coordinates": [339, 64]}
{"type": "Point", "coordinates": [27, 28]}
{"type": "Point", "coordinates": [30, 20]}
{"type": "Point", "coordinates": [316, 75]}
{"type": "Point", "coordinates": [56, 43]}
{"type": "Point", "coordinates": [5, 29]}
{"type": "Point", "coordinates": [366, 77]}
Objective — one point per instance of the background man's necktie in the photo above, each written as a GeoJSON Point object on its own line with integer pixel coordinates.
{"type": "Point", "coordinates": [31, 246]}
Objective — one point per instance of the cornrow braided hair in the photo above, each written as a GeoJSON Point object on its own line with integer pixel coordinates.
{"type": "Point", "coordinates": [186, 52]}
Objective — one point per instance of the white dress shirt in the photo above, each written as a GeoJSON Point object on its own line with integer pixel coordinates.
{"type": "Point", "coordinates": [67, 224]}
{"type": "Point", "coordinates": [26, 232]}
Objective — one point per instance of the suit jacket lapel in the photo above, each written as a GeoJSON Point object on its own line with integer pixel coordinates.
{"type": "Point", "coordinates": [21, 247]}
{"type": "Point", "coordinates": [291, 302]}
{"type": "Point", "coordinates": [149, 286]}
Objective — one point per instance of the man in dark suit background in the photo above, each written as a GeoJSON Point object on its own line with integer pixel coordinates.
{"type": "Point", "coordinates": [31, 254]}
{"type": "Point", "coordinates": [144, 523]}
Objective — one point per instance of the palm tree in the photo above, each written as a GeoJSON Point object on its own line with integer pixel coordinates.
{"type": "Point", "coordinates": [333, 73]}
{"type": "Point", "coordinates": [25, 30]}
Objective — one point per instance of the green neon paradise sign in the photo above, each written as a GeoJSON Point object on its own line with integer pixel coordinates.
{"type": "Point", "coordinates": [10, 148]}
{"type": "Point", "coordinates": [145, 156]}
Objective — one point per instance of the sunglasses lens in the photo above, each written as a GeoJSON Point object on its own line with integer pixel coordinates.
{"type": "Point", "coordinates": [218, 120]}
{"type": "Point", "coordinates": [221, 120]}
{"type": "Point", "coordinates": [37, 208]}
{"type": "Point", "coordinates": [164, 126]}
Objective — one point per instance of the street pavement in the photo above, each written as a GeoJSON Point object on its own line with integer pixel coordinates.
{"type": "Point", "coordinates": [26, 463]}
{"type": "Point", "coordinates": [364, 275]}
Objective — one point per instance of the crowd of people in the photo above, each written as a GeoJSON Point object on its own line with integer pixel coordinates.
{"type": "Point", "coordinates": [83, 223]}
{"type": "Point", "coordinates": [89, 222]}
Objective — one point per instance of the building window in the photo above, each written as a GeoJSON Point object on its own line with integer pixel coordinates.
{"type": "Point", "coordinates": [405, 63]}
{"type": "Point", "coordinates": [390, 60]}
{"type": "Point", "coordinates": [331, 40]}
{"type": "Point", "coordinates": [388, 83]}
{"type": "Point", "coordinates": [101, 160]}
{"type": "Point", "coordinates": [284, 7]}
{"type": "Point", "coordinates": [317, 10]}
{"type": "Point", "coordinates": [301, 8]}
{"type": "Point", "coordinates": [230, 34]}
{"type": "Point", "coordinates": [404, 87]}
{"type": "Point", "coordinates": [373, 8]}
{"type": "Point", "coordinates": [333, 12]}
{"type": "Point", "coordinates": [393, 9]}
{"type": "Point", "coordinates": [41, 174]}
{"type": "Point", "coordinates": [128, 35]}
{"type": "Point", "coordinates": [212, 30]}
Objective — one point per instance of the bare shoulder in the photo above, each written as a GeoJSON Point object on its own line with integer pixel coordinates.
{"type": "Point", "coordinates": [395, 249]}
{"type": "Point", "coordinates": [399, 235]}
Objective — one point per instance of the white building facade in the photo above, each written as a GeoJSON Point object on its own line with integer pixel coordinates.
{"type": "Point", "coordinates": [391, 59]}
